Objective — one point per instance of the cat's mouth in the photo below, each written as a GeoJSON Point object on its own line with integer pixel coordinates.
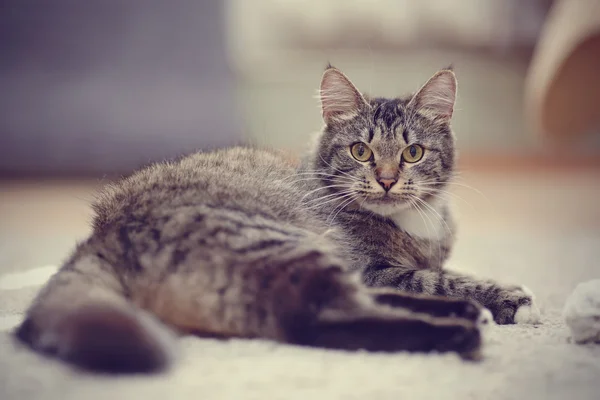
{"type": "Point", "coordinates": [385, 199]}
{"type": "Point", "coordinates": [386, 204]}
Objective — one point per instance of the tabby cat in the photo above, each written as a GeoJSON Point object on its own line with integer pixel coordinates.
{"type": "Point", "coordinates": [343, 250]}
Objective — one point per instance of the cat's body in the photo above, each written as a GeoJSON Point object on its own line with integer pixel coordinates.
{"type": "Point", "coordinates": [244, 243]}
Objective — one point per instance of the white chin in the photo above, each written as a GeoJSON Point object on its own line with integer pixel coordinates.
{"type": "Point", "coordinates": [386, 209]}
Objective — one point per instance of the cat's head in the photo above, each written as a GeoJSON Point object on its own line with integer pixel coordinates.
{"type": "Point", "coordinates": [387, 154]}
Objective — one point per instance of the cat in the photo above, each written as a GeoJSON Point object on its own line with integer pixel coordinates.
{"type": "Point", "coordinates": [390, 162]}
{"type": "Point", "coordinates": [244, 242]}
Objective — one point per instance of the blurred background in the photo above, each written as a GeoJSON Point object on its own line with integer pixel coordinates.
{"type": "Point", "coordinates": [94, 89]}
{"type": "Point", "coordinates": [101, 87]}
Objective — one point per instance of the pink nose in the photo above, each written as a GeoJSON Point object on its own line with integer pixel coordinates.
{"type": "Point", "coordinates": [387, 183]}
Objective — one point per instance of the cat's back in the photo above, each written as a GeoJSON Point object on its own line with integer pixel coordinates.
{"type": "Point", "coordinates": [242, 179]}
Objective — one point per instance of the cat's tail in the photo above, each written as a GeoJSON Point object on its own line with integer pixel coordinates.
{"type": "Point", "coordinates": [83, 317]}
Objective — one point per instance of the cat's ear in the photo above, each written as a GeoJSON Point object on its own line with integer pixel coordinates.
{"type": "Point", "coordinates": [340, 99]}
{"type": "Point", "coordinates": [437, 96]}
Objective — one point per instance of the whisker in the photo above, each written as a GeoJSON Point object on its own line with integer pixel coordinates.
{"type": "Point", "coordinates": [437, 214]}
{"type": "Point", "coordinates": [328, 196]}
{"type": "Point", "coordinates": [335, 169]}
{"type": "Point", "coordinates": [322, 188]}
{"type": "Point", "coordinates": [422, 215]}
{"type": "Point", "coordinates": [438, 193]}
{"type": "Point", "coordinates": [325, 196]}
{"type": "Point", "coordinates": [459, 184]}
{"type": "Point", "coordinates": [319, 177]}
{"type": "Point", "coordinates": [366, 197]}
{"type": "Point", "coordinates": [314, 206]}
{"type": "Point", "coordinates": [342, 201]}
{"type": "Point", "coordinates": [344, 205]}
{"type": "Point", "coordinates": [315, 172]}
{"type": "Point", "coordinates": [318, 181]}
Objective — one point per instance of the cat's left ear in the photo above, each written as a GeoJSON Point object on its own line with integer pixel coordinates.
{"type": "Point", "coordinates": [437, 96]}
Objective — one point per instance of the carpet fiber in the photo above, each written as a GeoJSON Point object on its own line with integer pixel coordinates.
{"type": "Point", "coordinates": [521, 362]}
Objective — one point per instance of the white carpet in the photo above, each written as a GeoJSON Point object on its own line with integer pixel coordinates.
{"type": "Point", "coordinates": [521, 362]}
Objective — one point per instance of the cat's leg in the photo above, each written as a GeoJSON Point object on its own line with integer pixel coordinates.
{"type": "Point", "coordinates": [437, 306]}
{"type": "Point", "coordinates": [508, 304]}
{"type": "Point", "coordinates": [328, 308]}
{"type": "Point", "coordinates": [83, 316]}
{"type": "Point", "coordinates": [395, 331]}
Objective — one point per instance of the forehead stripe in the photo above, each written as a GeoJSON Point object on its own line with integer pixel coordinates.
{"type": "Point", "coordinates": [405, 134]}
{"type": "Point", "coordinates": [371, 134]}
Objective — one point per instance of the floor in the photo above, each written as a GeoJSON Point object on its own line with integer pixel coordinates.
{"type": "Point", "coordinates": [539, 228]}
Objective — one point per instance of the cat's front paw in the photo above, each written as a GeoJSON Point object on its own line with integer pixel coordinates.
{"type": "Point", "coordinates": [516, 306]}
{"type": "Point", "coordinates": [528, 313]}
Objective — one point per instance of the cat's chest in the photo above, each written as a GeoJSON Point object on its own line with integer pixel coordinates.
{"type": "Point", "coordinates": [426, 223]}
{"type": "Point", "coordinates": [403, 239]}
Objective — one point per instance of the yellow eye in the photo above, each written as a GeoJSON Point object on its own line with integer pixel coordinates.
{"type": "Point", "coordinates": [361, 151]}
{"type": "Point", "coordinates": [412, 153]}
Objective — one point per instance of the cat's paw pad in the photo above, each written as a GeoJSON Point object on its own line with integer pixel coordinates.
{"type": "Point", "coordinates": [528, 313]}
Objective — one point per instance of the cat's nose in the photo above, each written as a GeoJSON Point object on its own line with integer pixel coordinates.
{"type": "Point", "coordinates": [386, 176]}
{"type": "Point", "coordinates": [386, 183]}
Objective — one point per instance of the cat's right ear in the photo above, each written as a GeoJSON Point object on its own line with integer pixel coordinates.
{"type": "Point", "coordinates": [340, 99]}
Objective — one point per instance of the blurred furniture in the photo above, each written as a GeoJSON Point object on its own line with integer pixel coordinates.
{"type": "Point", "coordinates": [95, 87]}
{"type": "Point", "coordinates": [563, 84]}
